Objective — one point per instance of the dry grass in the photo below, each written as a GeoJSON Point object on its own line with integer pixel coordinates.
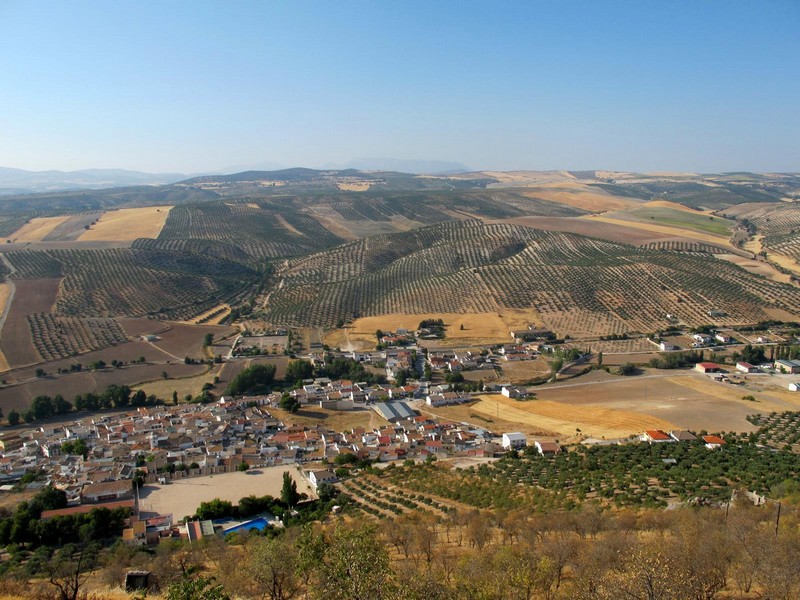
{"type": "Point", "coordinates": [756, 267]}
{"type": "Point", "coordinates": [36, 229]}
{"type": "Point", "coordinates": [128, 224]}
{"type": "Point", "coordinates": [196, 320]}
{"type": "Point", "coordinates": [163, 388]}
{"type": "Point", "coordinates": [477, 328]}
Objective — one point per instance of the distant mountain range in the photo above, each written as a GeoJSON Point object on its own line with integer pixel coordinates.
{"type": "Point", "coordinates": [21, 181]}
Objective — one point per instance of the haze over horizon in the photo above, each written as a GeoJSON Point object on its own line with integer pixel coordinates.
{"type": "Point", "coordinates": [194, 87]}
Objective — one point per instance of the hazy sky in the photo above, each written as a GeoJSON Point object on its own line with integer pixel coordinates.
{"type": "Point", "coordinates": [197, 86]}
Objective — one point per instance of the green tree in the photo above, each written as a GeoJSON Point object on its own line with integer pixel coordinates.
{"type": "Point", "coordinates": [201, 588]}
{"type": "Point", "coordinates": [243, 466]}
{"type": "Point", "coordinates": [208, 340]}
{"type": "Point", "coordinates": [13, 417]}
{"type": "Point", "coordinates": [289, 403]}
{"type": "Point", "coordinates": [253, 378]}
{"type": "Point", "coordinates": [355, 566]}
{"type": "Point", "coordinates": [289, 494]}
{"type": "Point", "coordinates": [297, 370]}
{"type": "Point", "coordinates": [272, 566]}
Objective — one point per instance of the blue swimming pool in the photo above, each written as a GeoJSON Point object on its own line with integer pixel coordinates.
{"type": "Point", "coordinates": [260, 523]}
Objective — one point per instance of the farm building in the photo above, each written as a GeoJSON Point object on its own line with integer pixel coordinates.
{"type": "Point", "coordinates": [107, 491]}
{"type": "Point", "coordinates": [513, 392]}
{"type": "Point", "coordinates": [655, 436]}
{"type": "Point", "coordinates": [707, 367]}
{"type": "Point", "coordinates": [746, 367]}
{"type": "Point", "coordinates": [713, 442]}
{"type": "Point", "coordinates": [514, 439]}
{"type": "Point", "coordinates": [794, 387]}
{"type": "Point", "coordinates": [667, 347]}
{"type": "Point", "coordinates": [787, 366]}
{"type": "Point", "coordinates": [547, 448]}
{"type": "Point", "coordinates": [722, 338]}
{"type": "Point", "coordinates": [393, 411]}
{"type": "Point", "coordinates": [445, 399]}
{"type": "Point", "coordinates": [324, 476]}
{"type": "Point", "coordinates": [681, 435]}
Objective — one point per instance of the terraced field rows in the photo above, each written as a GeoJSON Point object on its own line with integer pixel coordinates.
{"type": "Point", "coordinates": [576, 284]}
{"type": "Point", "coordinates": [61, 337]}
{"type": "Point", "coordinates": [252, 226]}
{"type": "Point", "coordinates": [135, 282]}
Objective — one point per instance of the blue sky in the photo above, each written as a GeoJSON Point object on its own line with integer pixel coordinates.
{"type": "Point", "coordinates": [199, 86]}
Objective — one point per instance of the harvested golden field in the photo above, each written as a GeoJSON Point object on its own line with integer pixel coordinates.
{"type": "Point", "coordinates": [359, 186]}
{"type": "Point", "coordinates": [36, 229]}
{"type": "Point", "coordinates": [565, 419]}
{"type": "Point", "coordinates": [582, 196]}
{"type": "Point", "coordinates": [672, 205]}
{"type": "Point", "coordinates": [128, 224]}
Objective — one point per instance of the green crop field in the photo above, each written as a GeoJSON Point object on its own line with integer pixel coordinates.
{"type": "Point", "coordinates": [682, 219]}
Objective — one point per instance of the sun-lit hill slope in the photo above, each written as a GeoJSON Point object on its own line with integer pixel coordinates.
{"type": "Point", "coordinates": [577, 285]}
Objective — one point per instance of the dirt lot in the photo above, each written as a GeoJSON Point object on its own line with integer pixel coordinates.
{"type": "Point", "coordinates": [36, 229]}
{"type": "Point", "coordinates": [591, 419]}
{"type": "Point", "coordinates": [137, 327]}
{"type": "Point", "coordinates": [495, 422]}
{"type": "Point", "coordinates": [128, 224]}
{"type": "Point", "coordinates": [337, 420]}
{"type": "Point", "coordinates": [182, 498]}
{"type": "Point", "coordinates": [31, 296]}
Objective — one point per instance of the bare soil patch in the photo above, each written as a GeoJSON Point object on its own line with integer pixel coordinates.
{"type": "Point", "coordinates": [137, 327]}
{"type": "Point", "coordinates": [128, 224]}
{"type": "Point", "coordinates": [182, 340]}
{"type": "Point", "coordinates": [494, 422]}
{"type": "Point", "coordinates": [31, 296]}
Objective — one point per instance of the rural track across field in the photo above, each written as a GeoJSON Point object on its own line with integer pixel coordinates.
{"type": "Point", "coordinates": [11, 290]}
